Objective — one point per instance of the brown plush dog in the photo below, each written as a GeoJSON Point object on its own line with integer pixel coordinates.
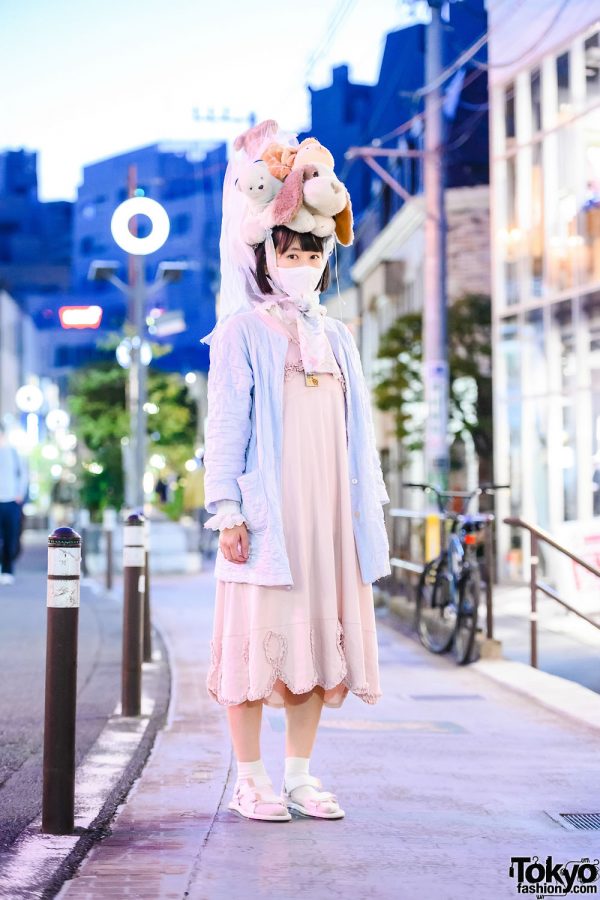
{"type": "Point", "coordinates": [288, 208]}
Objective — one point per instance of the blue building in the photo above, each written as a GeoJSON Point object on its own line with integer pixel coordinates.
{"type": "Point", "coordinates": [187, 180]}
{"type": "Point", "coordinates": [35, 237]}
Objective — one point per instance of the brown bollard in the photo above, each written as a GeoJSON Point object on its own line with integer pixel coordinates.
{"type": "Point", "coordinates": [58, 798]}
{"type": "Point", "coordinates": [147, 618]}
{"type": "Point", "coordinates": [109, 522]}
{"type": "Point", "coordinates": [133, 571]}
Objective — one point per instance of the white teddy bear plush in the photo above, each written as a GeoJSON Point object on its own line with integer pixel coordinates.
{"type": "Point", "coordinates": [259, 187]}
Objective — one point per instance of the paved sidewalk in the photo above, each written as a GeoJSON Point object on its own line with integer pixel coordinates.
{"type": "Point", "coordinates": [443, 781]}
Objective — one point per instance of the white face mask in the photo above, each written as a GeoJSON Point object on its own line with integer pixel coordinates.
{"type": "Point", "coordinates": [299, 281]}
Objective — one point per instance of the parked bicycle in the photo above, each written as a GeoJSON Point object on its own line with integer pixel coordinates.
{"type": "Point", "coordinates": [449, 588]}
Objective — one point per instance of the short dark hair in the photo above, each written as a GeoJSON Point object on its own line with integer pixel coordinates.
{"type": "Point", "coordinates": [283, 238]}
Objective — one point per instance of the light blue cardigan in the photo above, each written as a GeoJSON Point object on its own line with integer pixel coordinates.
{"type": "Point", "coordinates": [243, 447]}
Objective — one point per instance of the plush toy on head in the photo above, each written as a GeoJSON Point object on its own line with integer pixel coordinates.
{"type": "Point", "coordinates": [259, 187]}
{"type": "Point", "coordinates": [292, 185]}
{"type": "Point", "coordinates": [314, 199]}
{"type": "Point", "coordinates": [311, 151]}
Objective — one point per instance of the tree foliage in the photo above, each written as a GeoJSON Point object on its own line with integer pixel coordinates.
{"type": "Point", "coordinates": [97, 401]}
{"type": "Point", "coordinates": [400, 389]}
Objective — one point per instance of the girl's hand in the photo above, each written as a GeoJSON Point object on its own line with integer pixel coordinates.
{"type": "Point", "coordinates": [233, 543]}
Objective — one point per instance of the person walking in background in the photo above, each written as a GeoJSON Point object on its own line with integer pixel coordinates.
{"type": "Point", "coordinates": [13, 489]}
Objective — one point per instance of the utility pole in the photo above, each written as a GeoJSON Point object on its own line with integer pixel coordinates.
{"type": "Point", "coordinates": [435, 312]}
{"type": "Point", "coordinates": [137, 371]}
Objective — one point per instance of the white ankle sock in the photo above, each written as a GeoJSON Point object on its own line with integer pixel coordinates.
{"type": "Point", "coordinates": [297, 765]}
{"type": "Point", "coordinates": [255, 770]}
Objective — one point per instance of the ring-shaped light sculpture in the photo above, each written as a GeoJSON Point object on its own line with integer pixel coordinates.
{"type": "Point", "coordinates": [140, 206]}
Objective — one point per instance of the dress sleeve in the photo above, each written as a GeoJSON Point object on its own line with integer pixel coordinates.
{"type": "Point", "coordinates": [230, 394]}
{"type": "Point", "coordinates": [368, 415]}
{"type": "Point", "coordinates": [228, 514]}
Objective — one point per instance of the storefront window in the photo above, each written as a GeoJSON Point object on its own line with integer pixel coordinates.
{"type": "Point", "coordinates": [509, 111]}
{"type": "Point", "coordinates": [513, 246]}
{"type": "Point", "coordinates": [514, 454]}
{"type": "Point", "coordinates": [563, 324]}
{"type": "Point", "coordinates": [592, 66]}
{"type": "Point", "coordinates": [537, 221]}
{"type": "Point", "coordinates": [511, 355]}
{"type": "Point", "coordinates": [535, 85]}
{"type": "Point", "coordinates": [562, 320]}
{"type": "Point", "coordinates": [539, 459]}
{"type": "Point", "coordinates": [563, 82]}
{"type": "Point", "coordinates": [534, 351]}
{"type": "Point", "coordinates": [566, 257]}
{"type": "Point", "coordinates": [568, 460]}
{"type": "Point", "coordinates": [590, 213]}
{"type": "Point", "coordinates": [590, 305]}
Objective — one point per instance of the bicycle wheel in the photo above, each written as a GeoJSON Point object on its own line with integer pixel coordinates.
{"type": "Point", "coordinates": [436, 612]}
{"type": "Point", "coordinates": [468, 608]}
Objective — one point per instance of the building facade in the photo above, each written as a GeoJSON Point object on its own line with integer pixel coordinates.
{"type": "Point", "coordinates": [35, 237]}
{"type": "Point", "coordinates": [390, 283]}
{"type": "Point", "coordinates": [544, 82]}
{"type": "Point", "coordinates": [18, 354]}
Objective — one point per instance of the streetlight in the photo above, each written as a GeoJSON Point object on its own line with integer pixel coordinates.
{"type": "Point", "coordinates": [138, 293]}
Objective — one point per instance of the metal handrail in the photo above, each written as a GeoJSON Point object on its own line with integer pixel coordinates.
{"type": "Point", "coordinates": [537, 534]}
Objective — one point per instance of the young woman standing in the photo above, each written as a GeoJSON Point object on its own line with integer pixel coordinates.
{"type": "Point", "coordinates": [289, 438]}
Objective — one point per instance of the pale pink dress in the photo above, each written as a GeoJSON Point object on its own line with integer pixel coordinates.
{"type": "Point", "coordinates": [322, 631]}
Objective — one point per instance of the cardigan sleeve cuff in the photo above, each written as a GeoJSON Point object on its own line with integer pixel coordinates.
{"type": "Point", "coordinates": [228, 514]}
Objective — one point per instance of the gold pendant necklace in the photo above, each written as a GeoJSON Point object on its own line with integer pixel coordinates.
{"type": "Point", "coordinates": [310, 379]}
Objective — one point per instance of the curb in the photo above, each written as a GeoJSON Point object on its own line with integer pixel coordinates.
{"type": "Point", "coordinates": [37, 864]}
{"type": "Point", "coordinates": [557, 694]}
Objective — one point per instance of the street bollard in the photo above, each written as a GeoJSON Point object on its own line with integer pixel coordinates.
{"type": "Point", "coordinates": [133, 571]}
{"type": "Point", "coordinates": [109, 523]}
{"type": "Point", "coordinates": [147, 618]}
{"type": "Point", "coordinates": [58, 794]}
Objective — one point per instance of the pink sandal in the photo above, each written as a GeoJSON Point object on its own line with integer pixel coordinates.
{"type": "Point", "coordinates": [248, 797]}
{"type": "Point", "coordinates": [323, 805]}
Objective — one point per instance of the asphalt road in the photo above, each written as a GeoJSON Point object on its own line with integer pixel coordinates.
{"type": "Point", "coordinates": [22, 669]}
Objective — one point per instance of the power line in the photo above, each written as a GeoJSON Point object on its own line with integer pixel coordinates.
{"type": "Point", "coordinates": [467, 56]}
{"type": "Point", "coordinates": [400, 129]}
{"type": "Point", "coordinates": [339, 14]}
{"type": "Point", "coordinates": [344, 7]}
{"type": "Point", "coordinates": [525, 53]}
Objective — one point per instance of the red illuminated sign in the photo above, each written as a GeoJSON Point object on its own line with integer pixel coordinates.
{"type": "Point", "coordinates": [80, 316]}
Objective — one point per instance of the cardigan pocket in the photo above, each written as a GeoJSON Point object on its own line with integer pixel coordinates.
{"type": "Point", "coordinates": [254, 506]}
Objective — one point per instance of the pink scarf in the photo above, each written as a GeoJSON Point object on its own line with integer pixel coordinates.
{"type": "Point", "coordinates": [315, 349]}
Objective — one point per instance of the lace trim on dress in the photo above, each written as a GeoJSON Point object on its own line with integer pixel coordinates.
{"type": "Point", "coordinates": [275, 646]}
{"type": "Point", "coordinates": [290, 369]}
